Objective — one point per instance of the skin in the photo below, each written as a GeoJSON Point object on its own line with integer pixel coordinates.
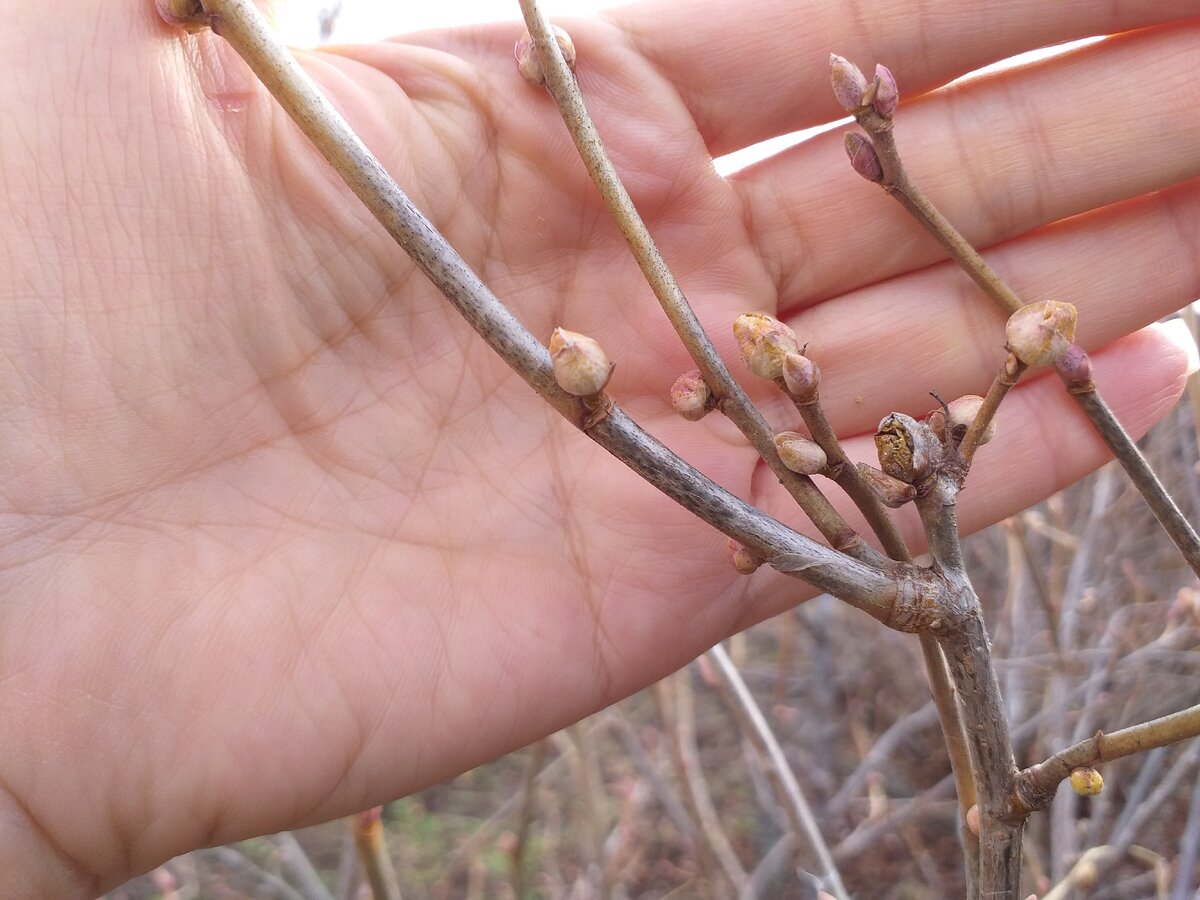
{"type": "Point", "coordinates": [280, 541]}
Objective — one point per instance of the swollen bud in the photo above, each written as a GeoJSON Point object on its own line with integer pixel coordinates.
{"type": "Point", "coordinates": [887, 95]}
{"type": "Point", "coordinates": [891, 492]}
{"type": "Point", "coordinates": [186, 14]}
{"type": "Point", "coordinates": [1074, 366]}
{"type": "Point", "coordinates": [802, 377]}
{"type": "Point", "coordinates": [800, 454]}
{"type": "Point", "coordinates": [764, 342]}
{"type": "Point", "coordinates": [863, 158]}
{"type": "Point", "coordinates": [581, 367]}
{"type": "Point", "coordinates": [973, 819]}
{"type": "Point", "coordinates": [1040, 333]}
{"type": "Point", "coordinates": [962, 413]}
{"type": "Point", "coordinates": [691, 397]}
{"type": "Point", "coordinates": [527, 58]}
{"type": "Point", "coordinates": [907, 448]}
{"type": "Point", "coordinates": [849, 83]}
{"type": "Point", "coordinates": [745, 560]}
{"type": "Point", "coordinates": [1087, 782]}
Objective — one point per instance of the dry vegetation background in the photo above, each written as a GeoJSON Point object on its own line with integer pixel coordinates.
{"type": "Point", "coordinates": [1096, 624]}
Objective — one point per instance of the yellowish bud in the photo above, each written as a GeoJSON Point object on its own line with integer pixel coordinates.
{"type": "Point", "coordinates": [527, 58]}
{"type": "Point", "coordinates": [1087, 782]}
{"type": "Point", "coordinates": [765, 343]}
{"type": "Point", "coordinates": [581, 367]}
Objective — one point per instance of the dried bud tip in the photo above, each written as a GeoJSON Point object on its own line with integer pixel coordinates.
{"type": "Point", "coordinates": [581, 367]}
{"type": "Point", "coordinates": [527, 58]}
{"type": "Point", "coordinates": [849, 83]}
{"type": "Point", "coordinates": [800, 454]}
{"type": "Point", "coordinates": [891, 492]}
{"type": "Point", "coordinates": [186, 14]}
{"type": "Point", "coordinates": [907, 448]}
{"type": "Point", "coordinates": [691, 397]}
{"type": "Point", "coordinates": [1040, 333]}
{"type": "Point", "coordinates": [745, 560]}
{"type": "Point", "coordinates": [1074, 366]}
{"type": "Point", "coordinates": [973, 819]}
{"type": "Point", "coordinates": [962, 414]}
{"type": "Point", "coordinates": [887, 95]}
{"type": "Point", "coordinates": [863, 158]}
{"type": "Point", "coordinates": [1087, 782]}
{"type": "Point", "coordinates": [802, 377]}
{"type": "Point", "coordinates": [764, 342]}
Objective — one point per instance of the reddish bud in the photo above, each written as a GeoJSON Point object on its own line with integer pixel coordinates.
{"type": "Point", "coordinates": [802, 377]}
{"type": "Point", "coordinates": [764, 342]}
{"type": "Point", "coordinates": [891, 492]}
{"type": "Point", "coordinates": [887, 95]}
{"type": "Point", "coordinates": [800, 454]}
{"type": "Point", "coordinates": [863, 158]}
{"type": "Point", "coordinates": [1087, 782]}
{"type": "Point", "coordinates": [581, 367]}
{"type": "Point", "coordinates": [745, 560]}
{"type": "Point", "coordinates": [1075, 366]}
{"type": "Point", "coordinates": [691, 397]}
{"type": "Point", "coordinates": [849, 83]}
{"type": "Point", "coordinates": [527, 58]}
{"type": "Point", "coordinates": [1040, 333]}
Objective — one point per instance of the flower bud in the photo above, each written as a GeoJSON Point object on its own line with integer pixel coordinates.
{"type": "Point", "coordinates": [1074, 366]}
{"type": "Point", "coordinates": [745, 560]}
{"type": "Point", "coordinates": [891, 492]}
{"type": "Point", "coordinates": [849, 83]}
{"type": "Point", "coordinates": [527, 58]}
{"type": "Point", "coordinates": [863, 158]}
{"type": "Point", "coordinates": [581, 367]}
{"type": "Point", "coordinates": [1040, 333]}
{"type": "Point", "coordinates": [691, 397]}
{"type": "Point", "coordinates": [907, 448]}
{"type": "Point", "coordinates": [186, 14]}
{"type": "Point", "coordinates": [802, 377]}
{"type": "Point", "coordinates": [973, 819]}
{"type": "Point", "coordinates": [887, 95]}
{"type": "Point", "coordinates": [1087, 782]}
{"type": "Point", "coordinates": [800, 454]}
{"type": "Point", "coordinates": [765, 342]}
{"type": "Point", "coordinates": [962, 413]}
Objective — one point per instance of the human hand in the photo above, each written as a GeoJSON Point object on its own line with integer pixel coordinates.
{"type": "Point", "coordinates": [282, 540]}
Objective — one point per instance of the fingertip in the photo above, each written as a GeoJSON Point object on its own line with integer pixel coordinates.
{"type": "Point", "coordinates": [1178, 338]}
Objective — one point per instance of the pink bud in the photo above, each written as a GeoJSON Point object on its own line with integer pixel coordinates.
{"type": "Point", "coordinates": [1040, 333]}
{"type": "Point", "coordinates": [962, 413]}
{"type": "Point", "coordinates": [764, 342]}
{"type": "Point", "coordinates": [527, 58]}
{"type": "Point", "coordinates": [891, 492]}
{"type": "Point", "coordinates": [973, 819]}
{"type": "Point", "coordinates": [800, 454]}
{"type": "Point", "coordinates": [745, 560]}
{"type": "Point", "coordinates": [863, 158]}
{"type": "Point", "coordinates": [691, 397]}
{"type": "Point", "coordinates": [849, 83]}
{"type": "Point", "coordinates": [1074, 366]}
{"type": "Point", "coordinates": [581, 367]}
{"type": "Point", "coordinates": [802, 377]}
{"type": "Point", "coordinates": [887, 95]}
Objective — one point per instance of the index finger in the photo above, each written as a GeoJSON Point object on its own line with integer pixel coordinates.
{"type": "Point", "coordinates": [751, 71]}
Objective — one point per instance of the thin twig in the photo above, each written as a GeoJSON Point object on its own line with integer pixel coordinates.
{"type": "Point", "coordinates": [295, 862]}
{"type": "Point", "coordinates": [533, 766]}
{"type": "Point", "coordinates": [1004, 381]}
{"type": "Point", "coordinates": [373, 855]}
{"type": "Point", "coordinates": [731, 399]}
{"type": "Point", "coordinates": [758, 730]}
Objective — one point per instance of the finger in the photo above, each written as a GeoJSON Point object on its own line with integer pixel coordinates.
{"type": "Point", "coordinates": [884, 347]}
{"type": "Point", "coordinates": [999, 156]}
{"type": "Point", "coordinates": [1043, 443]}
{"type": "Point", "coordinates": [749, 72]}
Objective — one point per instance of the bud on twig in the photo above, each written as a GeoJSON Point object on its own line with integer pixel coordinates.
{"type": "Point", "coordinates": [186, 14]}
{"type": "Point", "coordinates": [765, 342]}
{"type": "Point", "coordinates": [1075, 366]}
{"type": "Point", "coordinates": [1087, 782]}
{"type": "Point", "coordinates": [745, 560]}
{"type": "Point", "coordinates": [849, 83]}
{"type": "Point", "coordinates": [802, 377]}
{"type": "Point", "coordinates": [1040, 333]}
{"type": "Point", "coordinates": [973, 819]}
{"type": "Point", "coordinates": [800, 454]}
{"type": "Point", "coordinates": [891, 492]}
{"type": "Point", "coordinates": [887, 95]}
{"type": "Point", "coordinates": [581, 367]}
{"type": "Point", "coordinates": [907, 448]}
{"type": "Point", "coordinates": [963, 412]}
{"type": "Point", "coordinates": [527, 58]}
{"type": "Point", "coordinates": [691, 396]}
{"type": "Point", "coordinates": [863, 158]}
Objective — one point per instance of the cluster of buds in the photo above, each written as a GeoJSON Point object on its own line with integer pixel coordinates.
{"type": "Point", "coordinates": [855, 93]}
{"type": "Point", "coordinates": [765, 343]}
{"type": "Point", "coordinates": [527, 58]}
{"type": "Point", "coordinates": [581, 367]}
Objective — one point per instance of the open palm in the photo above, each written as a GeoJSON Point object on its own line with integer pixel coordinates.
{"type": "Point", "coordinates": [281, 540]}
